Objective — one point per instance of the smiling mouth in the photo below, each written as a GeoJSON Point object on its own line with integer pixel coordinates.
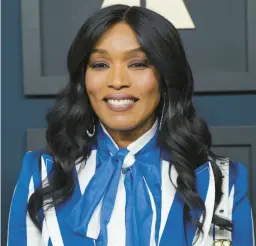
{"type": "Point", "coordinates": [121, 102]}
{"type": "Point", "coordinates": [120, 105]}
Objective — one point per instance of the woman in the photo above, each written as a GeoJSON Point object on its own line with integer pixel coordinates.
{"type": "Point", "coordinates": [128, 162]}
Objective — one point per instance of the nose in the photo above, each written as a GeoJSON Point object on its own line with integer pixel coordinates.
{"type": "Point", "coordinates": [118, 77]}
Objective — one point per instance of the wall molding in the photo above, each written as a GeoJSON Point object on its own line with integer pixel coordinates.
{"type": "Point", "coordinates": [36, 84]}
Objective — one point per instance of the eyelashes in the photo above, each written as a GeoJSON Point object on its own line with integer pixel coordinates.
{"type": "Point", "coordinates": [99, 65]}
{"type": "Point", "coordinates": [140, 64]}
{"type": "Point", "coordinates": [102, 65]}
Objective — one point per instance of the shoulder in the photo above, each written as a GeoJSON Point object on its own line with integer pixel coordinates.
{"type": "Point", "coordinates": [32, 165]}
{"type": "Point", "coordinates": [36, 156]}
{"type": "Point", "coordinates": [30, 160]}
{"type": "Point", "coordinates": [238, 176]}
{"type": "Point", "coordinates": [235, 174]}
{"type": "Point", "coordinates": [237, 171]}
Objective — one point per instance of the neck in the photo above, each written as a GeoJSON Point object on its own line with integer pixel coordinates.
{"type": "Point", "coordinates": [125, 137]}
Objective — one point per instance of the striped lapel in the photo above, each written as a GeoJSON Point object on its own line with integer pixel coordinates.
{"type": "Point", "coordinates": [172, 206]}
{"type": "Point", "coordinates": [50, 223]}
{"type": "Point", "coordinates": [55, 228]}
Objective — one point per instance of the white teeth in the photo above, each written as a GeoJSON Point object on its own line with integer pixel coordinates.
{"type": "Point", "coordinates": [120, 102]}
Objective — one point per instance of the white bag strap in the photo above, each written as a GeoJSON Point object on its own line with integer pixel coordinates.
{"type": "Point", "coordinates": [223, 210]}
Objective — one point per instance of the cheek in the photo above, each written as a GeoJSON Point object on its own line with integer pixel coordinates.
{"type": "Point", "coordinates": [148, 86]}
{"type": "Point", "coordinates": [93, 85]}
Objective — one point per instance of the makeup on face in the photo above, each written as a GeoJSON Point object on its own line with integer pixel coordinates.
{"type": "Point", "coordinates": [122, 85]}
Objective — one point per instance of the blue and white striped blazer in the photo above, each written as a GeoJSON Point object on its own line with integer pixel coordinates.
{"type": "Point", "coordinates": [235, 206]}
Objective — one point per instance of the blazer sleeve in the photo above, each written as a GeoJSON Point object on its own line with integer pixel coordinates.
{"type": "Point", "coordinates": [21, 230]}
{"type": "Point", "coordinates": [242, 217]}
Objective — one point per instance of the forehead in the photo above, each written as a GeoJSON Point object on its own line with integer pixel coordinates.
{"type": "Point", "coordinates": [118, 37]}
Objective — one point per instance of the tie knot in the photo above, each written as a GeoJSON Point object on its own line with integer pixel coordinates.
{"type": "Point", "coordinates": [125, 157]}
{"type": "Point", "coordinates": [121, 154]}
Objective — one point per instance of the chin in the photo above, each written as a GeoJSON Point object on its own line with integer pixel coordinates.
{"type": "Point", "coordinates": [121, 125]}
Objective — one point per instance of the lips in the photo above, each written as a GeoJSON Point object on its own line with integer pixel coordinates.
{"type": "Point", "coordinates": [120, 102]}
{"type": "Point", "coordinates": [120, 96]}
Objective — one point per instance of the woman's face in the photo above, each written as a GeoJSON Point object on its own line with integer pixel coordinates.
{"type": "Point", "coordinates": [122, 87]}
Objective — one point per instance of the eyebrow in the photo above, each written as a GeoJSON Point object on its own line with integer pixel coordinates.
{"type": "Point", "coordinates": [102, 51]}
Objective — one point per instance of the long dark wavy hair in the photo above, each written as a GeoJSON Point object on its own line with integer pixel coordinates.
{"type": "Point", "coordinates": [182, 133]}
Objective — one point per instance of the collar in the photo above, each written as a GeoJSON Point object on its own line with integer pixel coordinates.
{"type": "Point", "coordinates": [138, 143]}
